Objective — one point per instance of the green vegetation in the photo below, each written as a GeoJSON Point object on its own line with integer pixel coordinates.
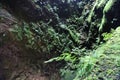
{"type": "Point", "coordinates": [81, 63]}
{"type": "Point", "coordinates": [44, 39]}
{"type": "Point", "coordinates": [78, 43]}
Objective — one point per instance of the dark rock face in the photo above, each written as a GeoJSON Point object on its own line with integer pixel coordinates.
{"type": "Point", "coordinates": [48, 9]}
{"type": "Point", "coordinates": [116, 14]}
{"type": "Point", "coordinates": [30, 10]}
{"type": "Point", "coordinates": [2, 76]}
{"type": "Point", "coordinates": [113, 17]}
{"type": "Point", "coordinates": [25, 7]}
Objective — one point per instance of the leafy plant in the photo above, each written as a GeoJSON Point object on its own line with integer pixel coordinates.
{"type": "Point", "coordinates": [79, 63]}
{"type": "Point", "coordinates": [107, 36]}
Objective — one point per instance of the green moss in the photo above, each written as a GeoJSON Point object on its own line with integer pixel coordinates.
{"type": "Point", "coordinates": [103, 21]}
{"type": "Point", "coordinates": [109, 58]}
{"type": "Point", "coordinates": [92, 12]}
{"type": "Point", "coordinates": [107, 7]}
{"type": "Point", "coordinates": [103, 63]}
{"type": "Point", "coordinates": [101, 3]}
